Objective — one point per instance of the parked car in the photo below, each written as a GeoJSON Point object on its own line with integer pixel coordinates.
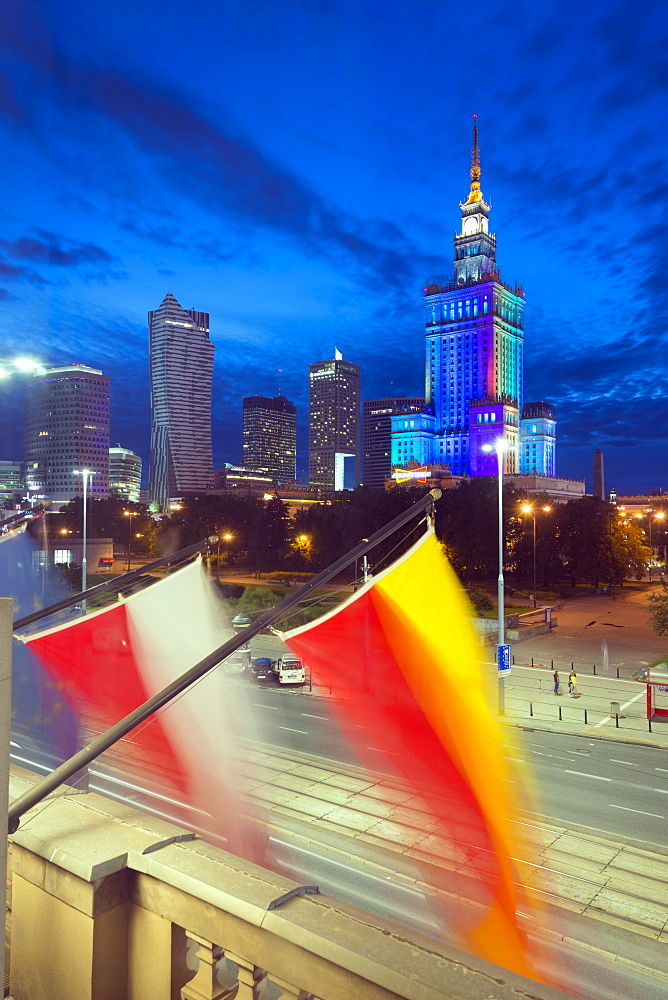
{"type": "Point", "coordinates": [289, 669]}
{"type": "Point", "coordinates": [262, 669]}
{"type": "Point", "coordinates": [241, 621]}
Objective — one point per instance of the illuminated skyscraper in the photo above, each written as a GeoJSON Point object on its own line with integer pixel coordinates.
{"type": "Point", "coordinates": [67, 428]}
{"type": "Point", "coordinates": [181, 361]}
{"type": "Point", "coordinates": [334, 424]}
{"type": "Point", "coordinates": [124, 473]}
{"type": "Point", "coordinates": [377, 433]}
{"type": "Point", "coordinates": [474, 360]}
{"type": "Point", "coordinates": [538, 439]}
{"type": "Point", "coordinates": [270, 436]}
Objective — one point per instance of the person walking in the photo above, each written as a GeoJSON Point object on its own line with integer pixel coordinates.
{"type": "Point", "coordinates": [556, 682]}
{"type": "Point", "coordinates": [572, 684]}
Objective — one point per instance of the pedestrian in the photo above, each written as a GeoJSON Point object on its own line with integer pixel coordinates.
{"type": "Point", "coordinates": [556, 682]}
{"type": "Point", "coordinates": [572, 684]}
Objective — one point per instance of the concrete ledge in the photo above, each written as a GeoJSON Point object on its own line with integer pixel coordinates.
{"type": "Point", "coordinates": [332, 950]}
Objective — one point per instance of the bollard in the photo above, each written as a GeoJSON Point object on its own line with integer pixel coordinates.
{"type": "Point", "coordinates": [560, 719]}
{"type": "Point", "coordinates": [594, 670]}
{"type": "Point", "coordinates": [585, 716]}
{"type": "Point", "coordinates": [617, 673]}
{"type": "Point", "coordinates": [532, 661]}
{"type": "Point", "coordinates": [513, 659]}
{"type": "Point", "coordinates": [649, 725]}
{"type": "Point", "coordinates": [551, 664]}
{"type": "Point", "coordinates": [616, 721]}
{"type": "Point", "coordinates": [531, 709]}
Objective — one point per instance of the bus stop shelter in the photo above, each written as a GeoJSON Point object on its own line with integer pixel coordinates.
{"type": "Point", "coordinates": [657, 691]}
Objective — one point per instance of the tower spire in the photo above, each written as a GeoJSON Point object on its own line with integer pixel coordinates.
{"type": "Point", "coordinates": [475, 194]}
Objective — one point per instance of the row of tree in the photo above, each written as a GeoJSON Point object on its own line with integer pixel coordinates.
{"type": "Point", "coordinates": [585, 540]}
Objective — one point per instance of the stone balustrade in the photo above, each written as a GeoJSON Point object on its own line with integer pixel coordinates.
{"type": "Point", "coordinates": [94, 918]}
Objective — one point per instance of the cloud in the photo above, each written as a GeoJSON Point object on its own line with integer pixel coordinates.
{"type": "Point", "coordinates": [56, 251]}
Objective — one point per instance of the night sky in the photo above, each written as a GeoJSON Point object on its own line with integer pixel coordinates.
{"type": "Point", "coordinates": [295, 168]}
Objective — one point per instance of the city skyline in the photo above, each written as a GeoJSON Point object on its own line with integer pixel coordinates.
{"type": "Point", "coordinates": [301, 183]}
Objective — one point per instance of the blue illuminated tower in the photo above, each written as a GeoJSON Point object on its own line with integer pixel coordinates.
{"type": "Point", "coordinates": [474, 363]}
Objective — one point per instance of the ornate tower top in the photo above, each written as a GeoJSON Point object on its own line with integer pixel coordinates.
{"type": "Point", "coordinates": [475, 194]}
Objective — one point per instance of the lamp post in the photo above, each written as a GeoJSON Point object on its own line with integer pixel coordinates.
{"type": "Point", "coordinates": [85, 474]}
{"type": "Point", "coordinates": [659, 515]}
{"type": "Point", "coordinates": [227, 538]}
{"type": "Point", "coordinates": [130, 514]}
{"type": "Point", "coordinates": [500, 447]}
{"type": "Point", "coordinates": [528, 509]}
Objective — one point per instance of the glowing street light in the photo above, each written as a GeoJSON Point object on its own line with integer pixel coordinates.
{"type": "Point", "coordinates": [227, 537]}
{"type": "Point", "coordinates": [528, 509]}
{"type": "Point", "coordinates": [130, 514]}
{"type": "Point", "coordinates": [86, 474]}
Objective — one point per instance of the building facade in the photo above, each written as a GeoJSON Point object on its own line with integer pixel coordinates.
{"type": "Point", "coordinates": [474, 355]}
{"type": "Point", "coordinates": [11, 480]}
{"type": "Point", "coordinates": [377, 435]}
{"type": "Point", "coordinates": [538, 437]}
{"type": "Point", "coordinates": [124, 473]}
{"type": "Point", "coordinates": [334, 424]}
{"type": "Point", "coordinates": [181, 364]}
{"type": "Point", "coordinates": [270, 436]}
{"type": "Point", "coordinates": [67, 429]}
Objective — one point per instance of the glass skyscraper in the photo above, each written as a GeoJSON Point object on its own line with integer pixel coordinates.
{"type": "Point", "coordinates": [270, 436]}
{"type": "Point", "coordinates": [334, 424]}
{"type": "Point", "coordinates": [67, 428]}
{"type": "Point", "coordinates": [181, 362]}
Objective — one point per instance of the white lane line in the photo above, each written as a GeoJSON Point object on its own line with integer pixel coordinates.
{"type": "Point", "coordinates": [665, 769]}
{"type": "Point", "coordinates": [274, 708]}
{"type": "Point", "coordinates": [664, 791]}
{"type": "Point", "coordinates": [288, 730]}
{"type": "Point", "coordinates": [641, 811]}
{"type": "Point", "coordinates": [384, 751]}
{"type": "Point", "coordinates": [307, 716]}
{"type": "Point", "coordinates": [583, 774]}
{"type": "Point", "coordinates": [629, 762]}
{"type": "Point", "coordinates": [621, 709]}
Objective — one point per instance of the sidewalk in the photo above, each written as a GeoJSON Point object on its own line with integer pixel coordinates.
{"type": "Point", "coordinates": [532, 704]}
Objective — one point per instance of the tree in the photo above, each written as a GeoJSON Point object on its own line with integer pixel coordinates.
{"type": "Point", "coordinates": [658, 610]}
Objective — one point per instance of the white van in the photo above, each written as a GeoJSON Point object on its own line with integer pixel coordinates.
{"type": "Point", "coordinates": [289, 669]}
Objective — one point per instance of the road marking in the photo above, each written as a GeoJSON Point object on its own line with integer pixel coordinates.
{"type": "Point", "coordinates": [664, 791]}
{"type": "Point", "coordinates": [274, 708]}
{"type": "Point", "coordinates": [323, 717]}
{"type": "Point", "coordinates": [629, 762]}
{"type": "Point", "coordinates": [621, 709]}
{"type": "Point", "coordinates": [665, 769]}
{"type": "Point", "coordinates": [288, 730]}
{"type": "Point", "coordinates": [641, 811]}
{"type": "Point", "coordinates": [384, 751]}
{"type": "Point", "coordinates": [583, 774]}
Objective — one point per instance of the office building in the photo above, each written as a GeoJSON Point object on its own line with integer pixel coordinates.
{"type": "Point", "coordinates": [599, 475]}
{"type": "Point", "coordinates": [124, 473]}
{"type": "Point", "coordinates": [538, 439]}
{"type": "Point", "coordinates": [181, 365]}
{"type": "Point", "coordinates": [474, 359]}
{"type": "Point", "coordinates": [270, 436]}
{"type": "Point", "coordinates": [67, 428]}
{"type": "Point", "coordinates": [11, 481]}
{"type": "Point", "coordinates": [377, 435]}
{"type": "Point", "coordinates": [334, 424]}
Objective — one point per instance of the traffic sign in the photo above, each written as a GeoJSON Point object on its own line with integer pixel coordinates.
{"type": "Point", "coordinates": [503, 660]}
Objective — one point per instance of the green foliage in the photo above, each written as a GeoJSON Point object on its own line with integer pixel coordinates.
{"type": "Point", "coordinates": [481, 600]}
{"type": "Point", "coordinates": [256, 599]}
{"type": "Point", "coordinates": [230, 591]}
{"type": "Point", "coordinates": [658, 610]}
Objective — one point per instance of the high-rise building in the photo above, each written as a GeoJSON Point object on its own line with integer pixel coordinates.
{"type": "Point", "coordinates": [124, 473]}
{"type": "Point", "coordinates": [11, 480]}
{"type": "Point", "coordinates": [181, 362]}
{"type": "Point", "coordinates": [377, 435]}
{"type": "Point", "coordinates": [474, 356]}
{"type": "Point", "coordinates": [270, 436]}
{"type": "Point", "coordinates": [334, 424]}
{"type": "Point", "coordinates": [538, 439]}
{"type": "Point", "coordinates": [67, 428]}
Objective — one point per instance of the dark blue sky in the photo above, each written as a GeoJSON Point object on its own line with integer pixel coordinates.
{"type": "Point", "coordinates": [294, 168]}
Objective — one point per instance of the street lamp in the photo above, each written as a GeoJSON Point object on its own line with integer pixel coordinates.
{"type": "Point", "coordinates": [659, 515]}
{"type": "Point", "coordinates": [528, 509]}
{"type": "Point", "coordinates": [227, 538]}
{"type": "Point", "coordinates": [85, 474]}
{"type": "Point", "coordinates": [500, 446]}
{"type": "Point", "coordinates": [130, 514]}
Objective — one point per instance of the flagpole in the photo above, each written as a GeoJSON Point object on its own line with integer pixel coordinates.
{"type": "Point", "coordinates": [6, 612]}
{"type": "Point", "coordinates": [84, 757]}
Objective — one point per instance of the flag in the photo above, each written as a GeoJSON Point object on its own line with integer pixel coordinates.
{"type": "Point", "coordinates": [109, 662]}
{"type": "Point", "coordinates": [403, 656]}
